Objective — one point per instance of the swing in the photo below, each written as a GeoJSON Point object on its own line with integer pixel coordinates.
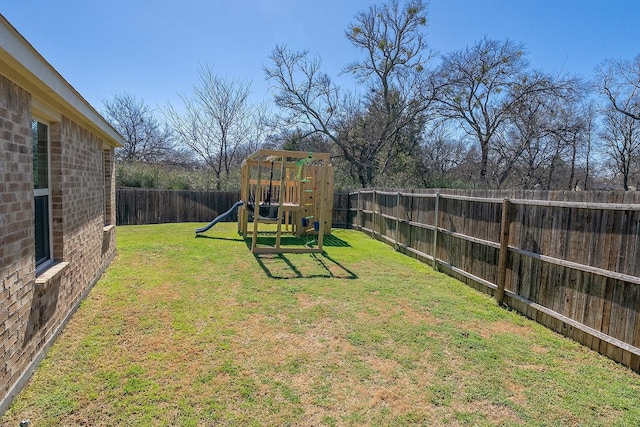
{"type": "Point", "coordinates": [266, 210]}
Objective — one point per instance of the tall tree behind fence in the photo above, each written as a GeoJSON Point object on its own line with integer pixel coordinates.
{"type": "Point", "coordinates": [569, 260]}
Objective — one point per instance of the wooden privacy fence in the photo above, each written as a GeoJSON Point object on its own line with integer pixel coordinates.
{"type": "Point", "coordinates": [138, 206]}
{"type": "Point", "coordinates": [570, 261]}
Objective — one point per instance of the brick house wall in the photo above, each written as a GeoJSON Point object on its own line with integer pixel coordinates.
{"type": "Point", "coordinates": [16, 223]}
{"type": "Point", "coordinates": [35, 305]}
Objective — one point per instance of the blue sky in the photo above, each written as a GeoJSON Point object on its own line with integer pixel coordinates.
{"type": "Point", "coordinates": [153, 48]}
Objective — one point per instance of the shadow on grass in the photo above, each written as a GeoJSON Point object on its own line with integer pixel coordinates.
{"type": "Point", "coordinates": [280, 266]}
{"type": "Point", "coordinates": [238, 239]}
{"type": "Point", "coordinates": [300, 265]}
{"type": "Point", "coordinates": [269, 239]}
{"type": "Point", "coordinates": [333, 241]}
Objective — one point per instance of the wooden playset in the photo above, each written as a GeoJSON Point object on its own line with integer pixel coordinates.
{"type": "Point", "coordinates": [291, 190]}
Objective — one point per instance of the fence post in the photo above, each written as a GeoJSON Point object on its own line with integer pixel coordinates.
{"type": "Point", "coordinates": [435, 232]}
{"type": "Point", "coordinates": [359, 213]}
{"type": "Point", "coordinates": [373, 215]}
{"type": "Point", "coordinates": [348, 223]}
{"type": "Point", "coordinates": [398, 221]}
{"type": "Point", "coordinates": [504, 250]}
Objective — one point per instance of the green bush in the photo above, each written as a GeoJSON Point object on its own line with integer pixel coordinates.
{"type": "Point", "coordinates": [170, 177]}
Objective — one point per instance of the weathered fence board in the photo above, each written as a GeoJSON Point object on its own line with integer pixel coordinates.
{"type": "Point", "coordinates": [570, 260]}
{"type": "Point", "coordinates": [340, 214]}
{"type": "Point", "coordinates": [139, 206]}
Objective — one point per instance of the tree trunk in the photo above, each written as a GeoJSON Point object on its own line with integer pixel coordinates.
{"type": "Point", "coordinates": [484, 147]}
{"type": "Point", "coordinates": [573, 166]}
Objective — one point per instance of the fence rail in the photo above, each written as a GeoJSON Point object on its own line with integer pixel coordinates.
{"type": "Point", "coordinates": [569, 260]}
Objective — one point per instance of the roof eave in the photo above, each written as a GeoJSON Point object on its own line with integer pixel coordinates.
{"type": "Point", "coordinates": [23, 65]}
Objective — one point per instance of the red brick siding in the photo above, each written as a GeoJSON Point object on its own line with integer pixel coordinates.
{"type": "Point", "coordinates": [32, 313]}
{"type": "Point", "coordinates": [17, 259]}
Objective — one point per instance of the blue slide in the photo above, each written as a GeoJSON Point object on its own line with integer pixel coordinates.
{"type": "Point", "coordinates": [219, 218]}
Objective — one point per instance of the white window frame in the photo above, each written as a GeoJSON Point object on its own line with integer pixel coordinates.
{"type": "Point", "coordinates": [45, 192]}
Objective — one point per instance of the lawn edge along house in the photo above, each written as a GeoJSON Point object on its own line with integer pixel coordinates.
{"type": "Point", "coordinates": [57, 205]}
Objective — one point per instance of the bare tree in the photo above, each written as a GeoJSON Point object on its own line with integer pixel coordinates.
{"type": "Point", "coordinates": [484, 85]}
{"type": "Point", "coordinates": [528, 149]}
{"type": "Point", "coordinates": [366, 132]}
{"type": "Point", "coordinates": [442, 155]}
{"type": "Point", "coordinates": [217, 122]}
{"type": "Point", "coordinates": [541, 145]}
{"type": "Point", "coordinates": [146, 140]}
{"type": "Point", "coordinates": [589, 131]}
{"type": "Point", "coordinates": [621, 135]}
{"type": "Point", "coordinates": [260, 129]}
{"type": "Point", "coordinates": [393, 68]}
{"type": "Point", "coordinates": [620, 83]}
{"type": "Point", "coordinates": [478, 84]}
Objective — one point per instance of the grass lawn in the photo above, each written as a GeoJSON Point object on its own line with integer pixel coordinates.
{"type": "Point", "coordinates": [184, 331]}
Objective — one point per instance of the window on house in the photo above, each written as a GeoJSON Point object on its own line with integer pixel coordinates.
{"type": "Point", "coordinates": [42, 194]}
{"type": "Point", "coordinates": [107, 193]}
